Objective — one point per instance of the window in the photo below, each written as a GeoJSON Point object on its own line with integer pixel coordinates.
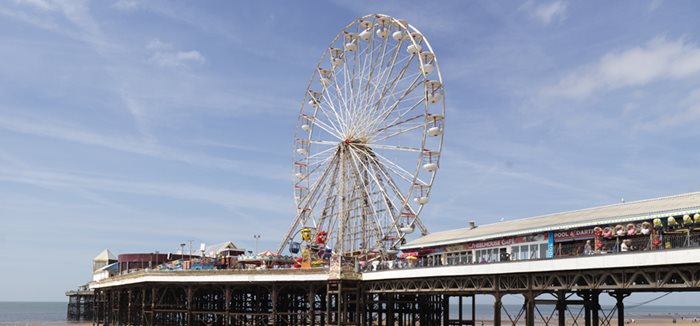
{"type": "Point", "coordinates": [543, 250]}
{"type": "Point", "coordinates": [524, 252]}
{"type": "Point", "coordinates": [534, 251]}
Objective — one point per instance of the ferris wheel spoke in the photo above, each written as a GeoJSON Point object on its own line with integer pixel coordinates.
{"type": "Point", "coordinates": [404, 110]}
{"type": "Point", "coordinates": [327, 128]}
{"type": "Point", "coordinates": [397, 190]}
{"type": "Point", "coordinates": [330, 126]}
{"type": "Point", "coordinates": [390, 87]}
{"type": "Point", "coordinates": [340, 101]}
{"type": "Point", "coordinates": [321, 156]}
{"type": "Point", "coordinates": [397, 121]}
{"type": "Point", "coordinates": [315, 164]}
{"type": "Point", "coordinates": [400, 132]}
{"type": "Point", "coordinates": [378, 228]}
{"type": "Point", "coordinates": [328, 210]}
{"type": "Point", "coordinates": [384, 78]}
{"type": "Point", "coordinates": [319, 181]}
{"type": "Point", "coordinates": [396, 148]}
{"type": "Point", "coordinates": [365, 94]}
{"type": "Point", "coordinates": [323, 142]}
{"type": "Point", "coordinates": [389, 109]}
{"type": "Point", "coordinates": [398, 170]}
{"type": "Point", "coordinates": [416, 220]}
{"type": "Point", "coordinates": [374, 59]}
{"type": "Point", "coordinates": [385, 181]}
{"type": "Point", "coordinates": [370, 98]}
{"type": "Point", "coordinates": [337, 128]}
{"type": "Point", "coordinates": [390, 205]}
{"type": "Point", "coordinates": [401, 123]}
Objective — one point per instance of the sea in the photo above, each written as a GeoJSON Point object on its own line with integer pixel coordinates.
{"type": "Point", "coordinates": [33, 313]}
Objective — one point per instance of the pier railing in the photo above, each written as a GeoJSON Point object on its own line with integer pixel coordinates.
{"type": "Point", "coordinates": [612, 246]}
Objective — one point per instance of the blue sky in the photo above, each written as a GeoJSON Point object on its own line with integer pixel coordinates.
{"type": "Point", "coordinates": [136, 126]}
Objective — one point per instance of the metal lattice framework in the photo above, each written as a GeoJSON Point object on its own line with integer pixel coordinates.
{"type": "Point", "coordinates": [368, 138]}
{"type": "Point", "coordinates": [644, 278]}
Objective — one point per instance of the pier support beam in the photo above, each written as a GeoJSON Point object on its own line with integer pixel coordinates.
{"type": "Point", "coordinates": [497, 306]}
{"type": "Point", "coordinates": [529, 308]}
{"type": "Point", "coordinates": [619, 296]}
{"type": "Point", "coordinates": [561, 307]}
{"type": "Point", "coordinates": [595, 308]}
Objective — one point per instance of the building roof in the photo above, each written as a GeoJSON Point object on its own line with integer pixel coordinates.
{"type": "Point", "coordinates": [105, 255]}
{"type": "Point", "coordinates": [213, 250]}
{"type": "Point", "coordinates": [682, 204]}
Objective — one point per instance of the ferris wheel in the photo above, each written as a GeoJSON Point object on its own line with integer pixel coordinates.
{"type": "Point", "coordinates": [368, 140]}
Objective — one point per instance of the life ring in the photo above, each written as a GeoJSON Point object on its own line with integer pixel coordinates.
{"type": "Point", "coordinates": [607, 232]}
{"type": "Point", "coordinates": [631, 229]}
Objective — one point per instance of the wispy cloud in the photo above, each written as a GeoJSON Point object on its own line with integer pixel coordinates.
{"type": "Point", "coordinates": [67, 132]}
{"type": "Point", "coordinates": [231, 200]}
{"type": "Point", "coordinates": [77, 12]}
{"type": "Point", "coordinates": [655, 4]}
{"type": "Point", "coordinates": [126, 4]}
{"type": "Point", "coordinates": [546, 13]}
{"type": "Point", "coordinates": [658, 59]}
{"type": "Point", "coordinates": [166, 55]}
{"type": "Point", "coordinates": [689, 112]}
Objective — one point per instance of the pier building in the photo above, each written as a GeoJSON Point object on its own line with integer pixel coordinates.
{"type": "Point", "coordinates": [562, 262]}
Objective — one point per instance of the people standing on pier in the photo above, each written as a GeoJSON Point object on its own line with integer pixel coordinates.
{"type": "Point", "coordinates": [587, 249]}
{"type": "Point", "coordinates": [625, 246]}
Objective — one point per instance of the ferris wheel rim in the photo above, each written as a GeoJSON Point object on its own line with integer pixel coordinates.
{"type": "Point", "coordinates": [334, 130]}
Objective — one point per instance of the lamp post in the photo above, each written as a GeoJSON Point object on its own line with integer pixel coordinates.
{"type": "Point", "coordinates": [256, 237]}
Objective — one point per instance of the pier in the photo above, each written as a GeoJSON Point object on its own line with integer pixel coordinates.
{"type": "Point", "coordinates": [571, 287]}
{"type": "Point", "coordinates": [81, 304]}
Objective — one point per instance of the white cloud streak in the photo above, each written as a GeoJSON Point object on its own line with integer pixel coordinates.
{"type": "Point", "coordinates": [230, 200]}
{"type": "Point", "coordinates": [546, 13]}
{"type": "Point", "coordinates": [165, 55]}
{"type": "Point", "coordinates": [177, 58]}
{"type": "Point", "coordinates": [131, 145]}
{"type": "Point", "coordinates": [656, 60]}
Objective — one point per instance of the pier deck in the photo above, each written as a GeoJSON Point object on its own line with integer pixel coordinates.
{"type": "Point", "coordinates": [400, 296]}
